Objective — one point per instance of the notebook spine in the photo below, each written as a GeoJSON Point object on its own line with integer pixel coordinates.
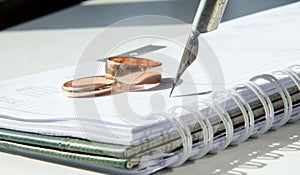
{"type": "Point", "coordinates": [231, 116]}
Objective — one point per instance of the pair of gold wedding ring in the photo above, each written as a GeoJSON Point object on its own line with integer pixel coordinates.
{"type": "Point", "coordinates": [121, 74]}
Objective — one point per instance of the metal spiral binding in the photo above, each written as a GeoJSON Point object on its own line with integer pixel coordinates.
{"type": "Point", "coordinates": [186, 137]}
{"type": "Point", "coordinates": [226, 120]}
{"type": "Point", "coordinates": [259, 90]}
{"type": "Point", "coordinates": [235, 89]}
{"type": "Point", "coordinates": [286, 98]}
{"type": "Point", "coordinates": [295, 77]}
{"type": "Point", "coordinates": [267, 105]}
{"type": "Point", "coordinates": [206, 127]}
{"type": "Point", "coordinates": [249, 124]}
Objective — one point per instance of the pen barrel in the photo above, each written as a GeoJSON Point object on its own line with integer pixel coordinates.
{"type": "Point", "coordinates": [208, 15]}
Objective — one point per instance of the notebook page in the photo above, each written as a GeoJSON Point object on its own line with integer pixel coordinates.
{"type": "Point", "coordinates": [258, 43]}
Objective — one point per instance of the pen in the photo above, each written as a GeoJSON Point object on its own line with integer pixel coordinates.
{"type": "Point", "coordinates": [207, 18]}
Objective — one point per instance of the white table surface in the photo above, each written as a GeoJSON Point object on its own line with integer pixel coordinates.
{"type": "Point", "coordinates": [24, 52]}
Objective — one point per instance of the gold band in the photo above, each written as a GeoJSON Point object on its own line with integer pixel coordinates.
{"type": "Point", "coordinates": [131, 70]}
{"type": "Point", "coordinates": [88, 86]}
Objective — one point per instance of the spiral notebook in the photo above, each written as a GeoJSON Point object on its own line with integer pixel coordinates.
{"type": "Point", "coordinates": [37, 120]}
{"type": "Point", "coordinates": [229, 117]}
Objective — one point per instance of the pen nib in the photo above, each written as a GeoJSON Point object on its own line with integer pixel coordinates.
{"type": "Point", "coordinates": [174, 84]}
{"type": "Point", "coordinates": [188, 57]}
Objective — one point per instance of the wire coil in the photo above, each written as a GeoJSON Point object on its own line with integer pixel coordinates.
{"type": "Point", "coordinates": [257, 102]}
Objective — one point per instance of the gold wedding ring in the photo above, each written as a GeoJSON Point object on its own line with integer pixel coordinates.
{"type": "Point", "coordinates": [88, 86]}
{"type": "Point", "coordinates": [122, 74]}
{"type": "Point", "coordinates": [131, 70]}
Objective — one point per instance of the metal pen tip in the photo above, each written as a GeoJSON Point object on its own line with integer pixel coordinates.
{"type": "Point", "coordinates": [188, 57]}
{"type": "Point", "coordinates": [173, 87]}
